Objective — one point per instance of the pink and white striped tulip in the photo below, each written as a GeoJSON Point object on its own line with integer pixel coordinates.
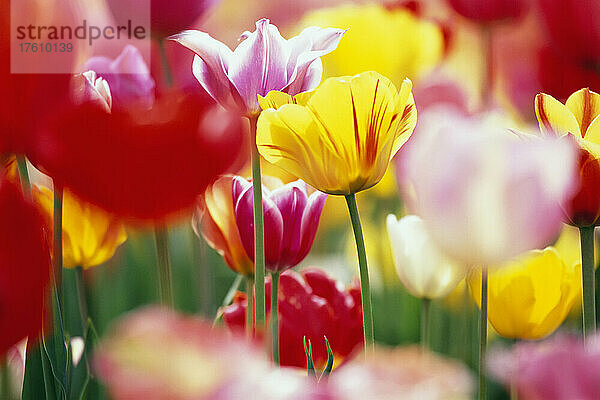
{"type": "Point", "coordinates": [291, 218]}
{"type": "Point", "coordinates": [262, 62]}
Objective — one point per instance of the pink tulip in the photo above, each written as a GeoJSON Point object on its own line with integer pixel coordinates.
{"type": "Point", "coordinates": [262, 62]}
{"type": "Point", "coordinates": [127, 76]}
{"type": "Point", "coordinates": [487, 194]}
{"type": "Point", "coordinates": [558, 368]}
{"type": "Point", "coordinates": [490, 10]}
{"type": "Point", "coordinates": [291, 218]}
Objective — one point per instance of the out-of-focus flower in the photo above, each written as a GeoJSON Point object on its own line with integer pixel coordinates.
{"type": "Point", "coordinates": [572, 28]}
{"type": "Point", "coordinates": [90, 235]}
{"type": "Point", "coordinates": [214, 219]}
{"type": "Point", "coordinates": [485, 11]}
{"type": "Point", "coordinates": [89, 87]}
{"type": "Point", "coordinates": [139, 164]}
{"type": "Point", "coordinates": [262, 62]}
{"type": "Point", "coordinates": [403, 373]}
{"type": "Point", "coordinates": [530, 297]}
{"type": "Point", "coordinates": [339, 147]}
{"type": "Point", "coordinates": [127, 76]}
{"type": "Point", "coordinates": [579, 117]}
{"type": "Point", "coordinates": [156, 354]}
{"type": "Point", "coordinates": [24, 267]}
{"type": "Point", "coordinates": [15, 362]}
{"type": "Point", "coordinates": [166, 16]}
{"type": "Point", "coordinates": [393, 42]}
{"type": "Point", "coordinates": [568, 246]}
{"type": "Point", "coordinates": [558, 368]}
{"type": "Point", "coordinates": [423, 269]}
{"type": "Point", "coordinates": [486, 194]}
{"type": "Point", "coordinates": [310, 304]}
{"type": "Point", "coordinates": [291, 219]}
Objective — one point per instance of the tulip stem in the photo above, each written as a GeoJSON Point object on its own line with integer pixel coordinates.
{"type": "Point", "coordinates": [586, 234]}
{"type": "Point", "coordinates": [259, 242]}
{"type": "Point", "coordinates": [365, 289]}
{"type": "Point", "coordinates": [425, 307]}
{"type": "Point", "coordinates": [80, 286]}
{"type": "Point", "coordinates": [275, 316]}
{"type": "Point", "coordinates": [24, 176]}
{"type": "Point", "coordinates": [249, 305]}
{"type": "Point", "coordinates": [161, 235]}
{"type": "Point", "coordinates": [483, 332]}
{"type": "Point", "coordinates": [58, 245]}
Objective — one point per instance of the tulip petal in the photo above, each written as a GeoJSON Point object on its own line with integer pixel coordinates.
{"type": "Point", "coordinates": [310, 223]}
{"type": "Point", "coordinates": [273, 222]}
{"type": "Point", "coordinates": [211, 65]}
{"type": "Point", "coordinates": [258, 63]}
{"type": "Point", "coordinates": [554, 117]}
{"type": "Point", "coordinates": [585, 106]}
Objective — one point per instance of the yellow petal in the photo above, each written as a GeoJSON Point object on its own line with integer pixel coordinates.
{"type": "Point", "coordinates": [275, 99]}
{"type": "Point", "coordinates": [585, 106]}
{"type": "Point", "coordinates": [554, 117]}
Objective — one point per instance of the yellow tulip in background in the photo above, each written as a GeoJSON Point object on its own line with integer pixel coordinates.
{"type": "Point", "coordinates": [394, 43]}
{"type": "Point", "coordinates": [529, 298]}
{"type": "Point", "coordinates": [90, 235]}
{"type": "Point", "coordinates": [340, 137]}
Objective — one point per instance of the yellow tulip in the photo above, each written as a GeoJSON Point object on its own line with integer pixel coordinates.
{"type": "Point", "coordinates": [529, 298]}
{"type": "Point", "coordinates": [579, 116]}
{"type": "Point", "coordinates": [90, 235]}
{"type": "Point", "coordinates": [340, 137]}
{"type": "Point", "coordinates": [394, 43]}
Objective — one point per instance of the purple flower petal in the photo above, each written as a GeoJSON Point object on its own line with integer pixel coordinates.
{"type": "Point", "coordinates": [244, 216]}
{"type": "Point", "coordinates": [258, 63]}
{"type": "Point", "coordinates": [211, 65]}
{"type": "Point", "coordinates": [291, 200]}
{"type": "Point", "coordinates": [310, 223]}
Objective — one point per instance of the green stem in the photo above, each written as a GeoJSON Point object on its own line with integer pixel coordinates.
{"type": "Point", "coordinates": [425, 307]}
{"type": "Point", "coordinates": [57, 245]}
{"type": "Point", "coordinates": [483, 332]}
{"type": "Point", "coordinates": [24, 176]}
{"type": "Point", "coordinates": [365, 288]}
{"type": "Point", "coordinates": [586, 235]}
{"type": "Point", "coordinates": [250, 305]}
{"type": "Point", "coordinates": [165, 63]}
{"type": "Point", "coordinates": [275, 316]}
{"type": "Point", "coordinates": [161, 235]}
{"type": "Point", "coordinates": [228, 298]}
{"type": "Point", "coordinates": [259, 234]}
{"type": "Point", "coordinates": [81, 296]}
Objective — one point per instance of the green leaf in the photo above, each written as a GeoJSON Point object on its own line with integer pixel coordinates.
{"type": "Point", "coordinates": [310, 366]}
{"type": "Point", "coordinates": [34, 384]}
{"type": "Point", "coordinates": [329, 365]}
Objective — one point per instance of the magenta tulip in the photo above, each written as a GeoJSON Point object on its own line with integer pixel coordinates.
{"type": "Point", "coordinates": [262, 62]}
{"type": "Point", "coordinates": [291, 218]}
{"type": "Point", "coordinates": [490, 10]}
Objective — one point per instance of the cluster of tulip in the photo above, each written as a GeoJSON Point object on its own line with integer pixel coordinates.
{"type": "Point", "coordinates": [116, 150]}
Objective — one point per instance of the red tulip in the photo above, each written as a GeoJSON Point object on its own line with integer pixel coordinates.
{"type": "Point", "coordinates": [24, 267]}
{"type": "Point", "coordinates": [584, 207]}
{"type": "Point", "coordinates": [314, 305]}
{"type": "Point", "coordinates": [140, 164]}
{"type": "Point", "coordinates": [490, 10]}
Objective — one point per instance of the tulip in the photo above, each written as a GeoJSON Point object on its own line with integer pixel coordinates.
{"type": "Point", "coordinates": [90, 235]}
{"type": "Point", "coordinates": [402, 373]}
{"type": "Point", "coordinates": [166, 16]}
{"type": "Point", "coordinates": [557, 368]}
{"type": "Point", "coordinates": [291, 221]}
{"type": "Point", "coordinates": [89, 87]}
{"type": "Point", "coordinates": [486, 11]}
{"type": "Point", "coordinates": [314, 305]}
{"type": "Point", "coordinates": [394, 42]}
{"type": "Point", "coordinates": [530, 297]}
{"type": "Point", "coordinates": [579, 118]}
{"type": "Point", "coordinates": [127, 76]}
{"type": "Point", "coordinates": [423, 269]}
{"type": "Point", "coordinates": [262, 62]}
{"type": "Point", "coordinates": [341, 147]}
{"type": "Point", "coordinates": [214, 220]}
{"type": "Point", "coordinates": [24, 267]}
{"type": "Point", "coordinates": [571, 26]}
